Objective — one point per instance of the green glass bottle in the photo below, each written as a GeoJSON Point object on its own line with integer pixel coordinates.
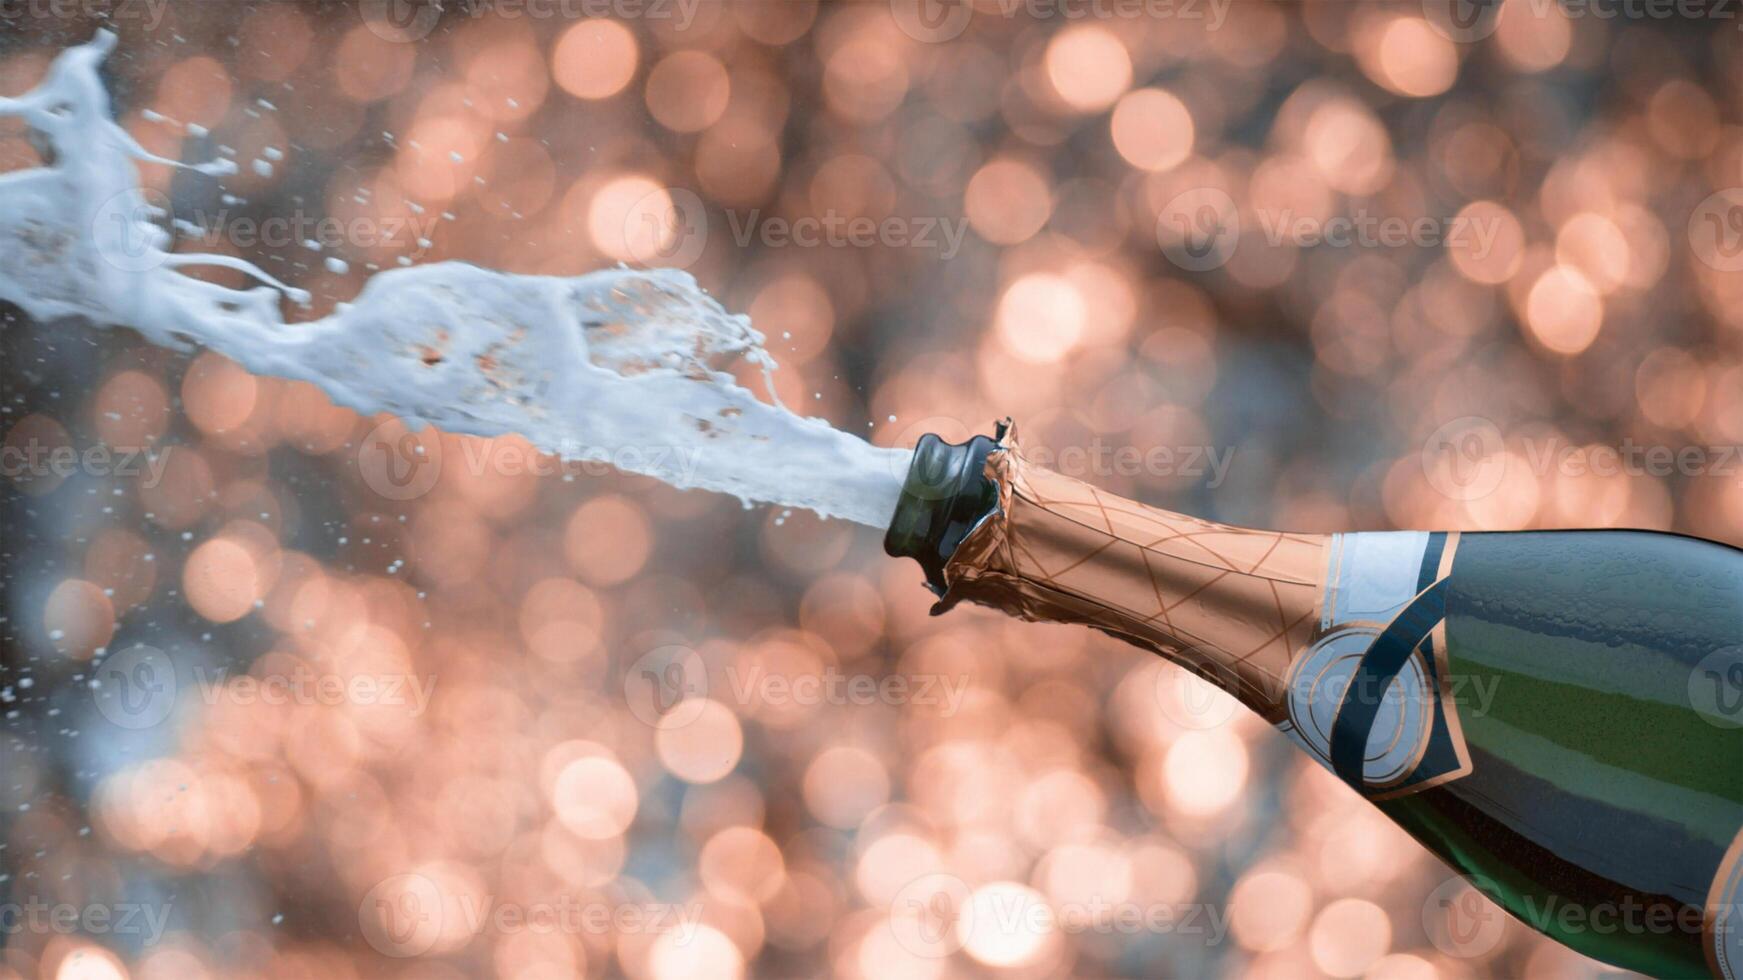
{"type": "Point", "coordinates": [1557, 715]}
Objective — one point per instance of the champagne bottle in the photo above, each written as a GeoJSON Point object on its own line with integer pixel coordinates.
{"type": "Point", "coordinates": [1557, 715]}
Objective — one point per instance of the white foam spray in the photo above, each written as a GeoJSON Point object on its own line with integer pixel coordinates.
{"type": "Point", "coordinates": [625, 361]}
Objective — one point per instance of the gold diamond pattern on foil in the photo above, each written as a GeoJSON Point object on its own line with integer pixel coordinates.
{"type": "Point", "coordinates": [1231, 600]}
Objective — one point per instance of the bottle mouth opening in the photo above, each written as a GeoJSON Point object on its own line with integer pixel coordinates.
{"type": "Point", "coordinates": [945, 496]}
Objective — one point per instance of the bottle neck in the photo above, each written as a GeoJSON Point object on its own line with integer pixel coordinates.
{"type": "Point", "coordinates": [1232, 604]}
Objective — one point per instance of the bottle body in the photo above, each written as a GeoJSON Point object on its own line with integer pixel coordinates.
{"type": "Point", "coordinates": [1557, 715]}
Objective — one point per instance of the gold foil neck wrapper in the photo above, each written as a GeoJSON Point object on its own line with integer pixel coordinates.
{"type": "Point", "coordinates": [1231, 603]}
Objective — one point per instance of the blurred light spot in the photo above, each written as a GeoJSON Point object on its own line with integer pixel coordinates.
{"type": "Point", "coordinates": [1152, 129]}
{"type": "Point", "coordinates": [1088, 66]}
{"type": "Point", "coordinates": [700, 744]}
{"type": "Point", "coordinates": [1007, 202]}
{"type": "Point", "coordinates": [1348, 936]}
{"type": "Point", "coordinates": [594, 798]}
{"type": "Point", "coordinates": [1564, 311]}
{"type": "Point", "coordinates": [594, 59]}
{"type": "Point", "coordinates": [220, 580]}
{"type": "Point", "coordinates": [688, 90]}
{"type": "Point", "coordinates": [1041, 317]}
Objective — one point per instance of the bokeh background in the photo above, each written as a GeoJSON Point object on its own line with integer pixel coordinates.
{"type": "Point", "coordinates": [735, 733]}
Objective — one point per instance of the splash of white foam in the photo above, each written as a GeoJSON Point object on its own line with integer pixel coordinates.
{"type": "Point", "coordinates": [620, 361]}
